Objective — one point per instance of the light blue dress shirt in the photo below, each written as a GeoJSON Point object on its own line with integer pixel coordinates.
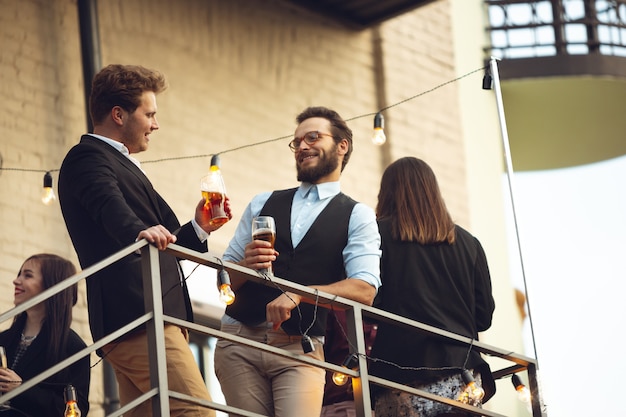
{"type": "Point", "coordinates": [361, 255]}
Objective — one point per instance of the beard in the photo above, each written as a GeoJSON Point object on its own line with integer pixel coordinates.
{"type": "Point", "coordinates": [328, 162]}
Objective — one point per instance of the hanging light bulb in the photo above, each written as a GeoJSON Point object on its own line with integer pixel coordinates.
{"type": "Point", "coordinates": [227, 296]}
{"type": "Point", "coordinates": [350, 362]}
{"type": "Point", "coordinates": [340, 379]}
{"type": "Point", "coordinates": [487, 80]}
{"type": "Point", "coordinates": [71, 402]}
{"type": "Point", "coordinates": [473, 393]}
{"type": "Point", "coordinates": [48, 196]}
{"type": "Point", "coordinates": [523, 393]}
{"type": "Point", "coordinates": [379, 133]}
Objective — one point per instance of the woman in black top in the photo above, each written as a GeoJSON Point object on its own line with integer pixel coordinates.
{"type": "Point", "coordinates": [41, 337]}
{"type": "Point", "coordinates": [434, 272]}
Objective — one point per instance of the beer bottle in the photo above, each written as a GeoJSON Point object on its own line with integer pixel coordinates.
{"type": "Point", "coordinates": [71, 404]}
{"type": "Point", "coordinates": [214, 193]}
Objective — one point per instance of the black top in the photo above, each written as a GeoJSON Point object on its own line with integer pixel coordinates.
{"type": "Point", "coordinates": [445, 286]}
{"type": "Point", "coordinates": [46, 398]}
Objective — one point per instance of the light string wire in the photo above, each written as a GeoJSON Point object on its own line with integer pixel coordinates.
{"type": "Point", "coordinates": [268, 277]}
{"type": "Point", "coordinates": [250, 145]}
{"type": "Point", "coordinates": [401, 367]}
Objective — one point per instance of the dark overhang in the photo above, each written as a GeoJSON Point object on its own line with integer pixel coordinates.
{"type": "Point", "coordinates": [359, 14]}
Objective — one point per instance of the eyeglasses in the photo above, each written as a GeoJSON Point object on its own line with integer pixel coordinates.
{"type": "Point", "coordinates": [310, 138]}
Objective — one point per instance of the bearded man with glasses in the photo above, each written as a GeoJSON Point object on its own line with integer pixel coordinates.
{"type": "Point", "coordinates": [325, 240]}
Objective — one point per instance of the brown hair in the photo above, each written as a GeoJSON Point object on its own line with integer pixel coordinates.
{"type": "Point", "coordinates": [58, 319]}
{"type": "Point", "coordinates": [122, 85]}
{"type": "Point", "coordinates": [339, 128]}
{"type": "Point", "coordinates": [410, 198]}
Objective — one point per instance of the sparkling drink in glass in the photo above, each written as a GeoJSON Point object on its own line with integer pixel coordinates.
{"type": "Point", "coordinates": [264, 228]}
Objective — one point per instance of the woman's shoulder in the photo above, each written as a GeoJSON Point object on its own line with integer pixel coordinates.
{"type": "Point", "coordinates": [4, 335]}
{"type": "Point", "coordinates": [7, 335]}
{"type": "Point", "coordinates": [384, 224]}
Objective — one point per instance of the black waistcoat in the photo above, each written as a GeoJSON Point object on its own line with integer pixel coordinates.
{"type": "Point", "coordinates": [317, 260]}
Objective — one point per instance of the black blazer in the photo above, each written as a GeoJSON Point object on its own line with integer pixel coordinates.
{"type": "Point", "coordinates": [106, 201]}
{"type": "Point", "coordinates": [46, 398]}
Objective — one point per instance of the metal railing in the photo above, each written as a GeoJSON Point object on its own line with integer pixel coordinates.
{"type": "Point", "coordinates": [154, 320]}
{"type": "Point", "coordinates": [528, 29]}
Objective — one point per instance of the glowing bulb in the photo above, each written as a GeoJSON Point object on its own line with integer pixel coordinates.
{"type": "Point", "coordinates": [48, 196]}
{"type": "Point", "coordinates": [71, 405]}
{"type": "Point", "coordinates": [227, 296]}
{"type": "Point", "coordinates": [523, 393]}
{"type": "Point", "coordinates": [379, 133]}
{"type": "Point", "coordinates": [340, 379]}
{"type": "Point", "coordinates": [350, 362]}
{"type": "Point", "coordinates": [473, 393]}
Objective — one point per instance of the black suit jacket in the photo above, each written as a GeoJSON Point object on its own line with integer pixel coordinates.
{"type": "Point", "coordinates": [106, 201]}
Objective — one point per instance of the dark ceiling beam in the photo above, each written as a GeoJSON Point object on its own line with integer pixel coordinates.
{"type": "Point", "coordinates": [359, 14]}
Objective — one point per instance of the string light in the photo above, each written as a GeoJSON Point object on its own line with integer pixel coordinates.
{"type": "Point", "coordinates": [48, 196]}
{"type": "Point", "coordinates": [71, 402]}
{"type": "Point", "coordinates": [379, 130]}
{"type": "Point", "coordinates": [281, 137]}
{"type": "Point", "coordinates": [227, 296]}
{"type": "Point", "coordinates": [350, 362]}
{"type": "Point", "coordinates": [473, 393]}
{"type": "Point", "coordinates": [487, 80]}
{"type": "Point", "coordinates": [523, 393]}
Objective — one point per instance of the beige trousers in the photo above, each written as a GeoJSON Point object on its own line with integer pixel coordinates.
{"type": "Point", "coordinates": [130, 361]}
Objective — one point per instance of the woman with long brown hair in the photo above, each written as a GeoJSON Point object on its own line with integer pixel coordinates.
{"type": "Point", "coordinates": [41, 337]}
{"type": "Point", "coordinates": [435, 272]}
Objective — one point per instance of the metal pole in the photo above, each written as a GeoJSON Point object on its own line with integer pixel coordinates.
{"type": "Point", "coordinates": [537, 406]}
{"type": "Point", "coordinates": [155, 330]}
{"type": "Point", "coordinates": [90, 47]}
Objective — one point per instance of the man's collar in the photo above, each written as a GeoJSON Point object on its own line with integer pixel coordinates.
{"type": "Point", "coordinates": [324, 190]}
{"type": "Point", "coordinates": [117, 145]}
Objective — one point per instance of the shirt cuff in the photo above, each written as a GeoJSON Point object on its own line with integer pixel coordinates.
{"type": "Point", "coordinates": [200, 232]}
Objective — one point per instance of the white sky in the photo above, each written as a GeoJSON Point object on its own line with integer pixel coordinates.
{"type": "Point", "coordinates": [572, 225]}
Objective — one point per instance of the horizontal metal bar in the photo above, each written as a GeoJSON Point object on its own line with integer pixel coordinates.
{"type": "Point", "coordinates": [261, 346]}
{"type": "Point", "coordinates": [213, 405]}
{"type": "Point", "coordinates": [456, 404]}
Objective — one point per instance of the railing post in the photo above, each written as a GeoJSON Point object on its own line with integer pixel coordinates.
{"type": "Point", "coordinates": [536, 401]}
{"type": "Point", "coordinates": [356, 338]}
{"type": "Point", "coordinates": [155, 330]}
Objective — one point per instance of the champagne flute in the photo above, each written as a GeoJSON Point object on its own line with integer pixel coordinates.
{"type": "Point", "coordinates": [3, 358]}
{"type": "Point", "coordinates": [3, 365]}
{"type": "Point", "coordinates": [264, 228]}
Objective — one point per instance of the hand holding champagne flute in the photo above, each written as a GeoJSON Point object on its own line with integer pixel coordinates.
{"type": "Point", "coordinates": [3, 365]}
{"type": "Point", "coordinates": [3, 358]}
{"type": "Point", "coordinates": [264, 228]}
